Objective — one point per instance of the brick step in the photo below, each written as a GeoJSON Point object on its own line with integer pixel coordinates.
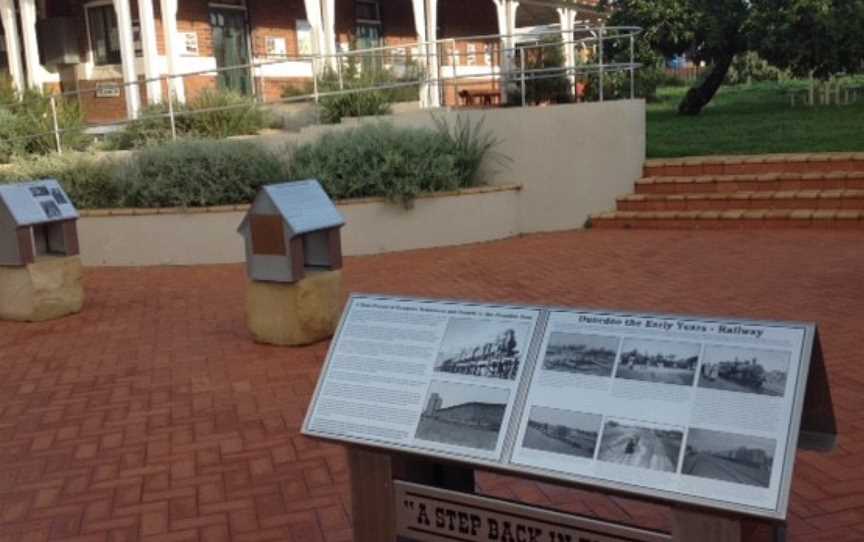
{"type": "Point", "coordinates": [731, 219]}
{"type": "Point", "coordinates": [755, 164]}
{"type": "Point", "coordinates": [722, 201]}
{"type": "Point", "coordinates": [773, 182]}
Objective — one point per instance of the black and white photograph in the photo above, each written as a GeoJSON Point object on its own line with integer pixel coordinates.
{"type": "Point", "coordinates": [51, 209]}
{"type": "Point", "coordinates": [666, 362]}
{"type": "Point", "coordinates": [463, 415]}
{"type": "Point", "coordinates": [627, 443]}
{"type": "Point", "coordinates": [562, 432]}
{"type": "Point", "coordinates": [485, 348]}
{"type": "Point", "coordinates": [730, 457]}
{"type": "Point", "coordinates": [746, 370]}
{"type": "Point", "coordinates": [59, 197]}
{"type": "Point", "coordinates": [579, 353]}
{"type": "Point", "coordinates": [38, 191]}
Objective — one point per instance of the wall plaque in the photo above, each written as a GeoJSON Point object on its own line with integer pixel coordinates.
{"type": "Point", "coordinates": [700, 411]}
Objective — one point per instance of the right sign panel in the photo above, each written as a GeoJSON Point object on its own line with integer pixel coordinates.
{"type": "Point", "coordinates": [702, 408]}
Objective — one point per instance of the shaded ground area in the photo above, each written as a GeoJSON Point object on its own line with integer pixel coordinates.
{"type": "Point", "coordinates": [770, 387]}
{"type": "Point", "coordinates": [719, 468]}
{"type": "Point", "coordinates": [581, 446]}
{"type": "Point", "coordinates": [456, 433]}
{"type": "Point", "coordinates": [640, 447]}
{"type": "Point", "coordinates": [152, 413]}
{"type": "Point", "coordinates": [594, 366]}
{"type": "Point", "coordinates": [661, 375]}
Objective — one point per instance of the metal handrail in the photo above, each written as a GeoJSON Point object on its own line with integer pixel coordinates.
{"type": "Point", "coordinates": [431, 51]}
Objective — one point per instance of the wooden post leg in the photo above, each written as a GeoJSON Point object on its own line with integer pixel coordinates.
{"type": "Point", "coordinates": [371, 496]}
{"type": "Point", "coordinates": [689, 525]}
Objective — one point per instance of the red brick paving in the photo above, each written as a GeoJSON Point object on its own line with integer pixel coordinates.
{"type": "Point", "coordinates": [153, 416]}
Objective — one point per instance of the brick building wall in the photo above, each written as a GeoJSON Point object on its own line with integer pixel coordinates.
{"type": "Point", "coordinates": [265, 18]}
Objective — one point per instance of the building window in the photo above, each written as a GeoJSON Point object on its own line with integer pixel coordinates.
{"type": "Point", "coordinates": [368, 23]}
{"type": "Point", "coordinates": [104, 34]}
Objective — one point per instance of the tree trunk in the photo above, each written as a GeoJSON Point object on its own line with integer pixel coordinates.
{"type": "Point", "coordinates": [698, 97]}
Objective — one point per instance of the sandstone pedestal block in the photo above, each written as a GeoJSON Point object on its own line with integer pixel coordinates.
{"type": "Point", "coordinates": [47, 289]}
{"type": "Point", "coordinates": [292, 314]}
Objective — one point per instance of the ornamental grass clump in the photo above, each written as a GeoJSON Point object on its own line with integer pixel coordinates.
{"type": "Point", "coordinates": [198, 173]}
{"type": "Point", "coordinates": [396, 163]}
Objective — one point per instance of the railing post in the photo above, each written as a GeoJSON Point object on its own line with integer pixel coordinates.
{"type": "Point", "coordinates": [315, 79]}
{"type": "Point", "coordinates": [171, 118]}
{"type": "Point", "coordinates": [339, 72]}
{"type": "Point", "coordinates": [600, 57]}
{"type": "Point", "coordinates": [454, 59]}
{"type": "Point", "coordinates": [632, 66]}
{"type": "Point", "coordinates": [56, 126]}
{"type": "Point", "coordinates": [522, 66]}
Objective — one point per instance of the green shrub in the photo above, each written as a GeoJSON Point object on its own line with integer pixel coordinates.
{"type": "Point", "coordinates": [362, 73]}
{"type": "Point", "coordinates": [11, 143]}
{"type": "Point", "coordinates": [542, 87]}
{"type": "Point", "coordinates": [213, 114]}
{"type": "Point", "coordinates": [151, 128]}
{"type": "Point", "coordinates": [397, 163]}
{"type": "Point", "coordinates": [356, 104]}
{"type": "Point", "coordinates": [236, 115]}
{"type": "Point", "coordinates": [198, 173]}
{"type": "Point", "coordinates": [89, 181]}
{"type": "Point", "coordinates": [27, 124]}
{"type": "Point", "coordinates": [751, 68]}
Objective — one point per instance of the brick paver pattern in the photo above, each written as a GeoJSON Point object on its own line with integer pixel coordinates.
{"type": "Point", "coordinates": [153, 415]}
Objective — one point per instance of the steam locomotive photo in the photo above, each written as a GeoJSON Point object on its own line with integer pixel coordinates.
{"type": "Point", "coordinates": [746, 373]}
{"type": "Point", "coordinates": [496, 359]}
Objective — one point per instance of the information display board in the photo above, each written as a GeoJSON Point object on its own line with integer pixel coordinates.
{"type": "Point", "coordinates": [701, 411]}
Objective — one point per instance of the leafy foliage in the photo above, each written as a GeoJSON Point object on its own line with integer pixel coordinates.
{"type": "Point", "coordinates": [749, 67]}
{"type": "Point", "coordinates": [542, 87]}
{"type": "Point", "coordinates": [373, 160]}
{"type": "Point", "coordinates": [89, 181]}
{"type": "Point", "coordinates": [398, 163]}
{"type": "Point", "coordinates": [822, 36]}
{"type": "Point", "coordinates": [361, 73]}
{"type": "Point", "coordinates": [213, 114]}
{"type": "Point", "coordinates": [27, 124]}
{"type": "Point", "coordinates": [197, 173]}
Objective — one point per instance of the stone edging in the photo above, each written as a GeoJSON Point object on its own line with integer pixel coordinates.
{"type": "Point", "coordinates": [245, 207]}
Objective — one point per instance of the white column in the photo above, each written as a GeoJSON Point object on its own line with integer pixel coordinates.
{"type": "Point", "coordinates": [127, 58]}
{"type": "Point", "coordinates": [567, 16]}
{"type": "Point", "coordinates": [313, 15]}
{"type": "Point", "coordinates": [506, 11]}
{"type": "Point", "coordinates": [168, 10]}
{"type": "Point", "coordinates": [151, 56]}
{"type": "Point", "coordinates": [426, 25]}
{"type": "Point", "coordinates": [328, 19]}
{"type": "Point", "coordinates": [27, 9]}
{"type": "Point", "coordinates": [13, 45]}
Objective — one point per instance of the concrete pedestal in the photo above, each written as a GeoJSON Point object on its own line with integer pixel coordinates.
{"type": "Point", "coordinates": [47, 289]}
{"type": "Point", "coordinates": [298, 313]}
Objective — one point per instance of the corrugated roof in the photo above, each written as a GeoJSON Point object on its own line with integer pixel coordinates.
{"type": "Point", "coordinates": [304, 205]}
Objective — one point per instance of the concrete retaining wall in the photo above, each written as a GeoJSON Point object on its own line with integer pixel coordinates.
{"type": "Point", "coordinates": [570, 160]}
{"type": "Point", "coordinates": [208, 236]}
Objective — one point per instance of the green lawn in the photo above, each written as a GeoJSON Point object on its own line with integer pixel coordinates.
{"type": "Point", "coordinates": [752, 120]}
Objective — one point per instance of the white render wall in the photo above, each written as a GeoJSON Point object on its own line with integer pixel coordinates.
{"type": "Point", "coordinates": [569, 161]}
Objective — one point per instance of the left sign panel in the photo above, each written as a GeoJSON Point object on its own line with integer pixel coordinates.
{"type": "Point", "coordinates": [433, 377]}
